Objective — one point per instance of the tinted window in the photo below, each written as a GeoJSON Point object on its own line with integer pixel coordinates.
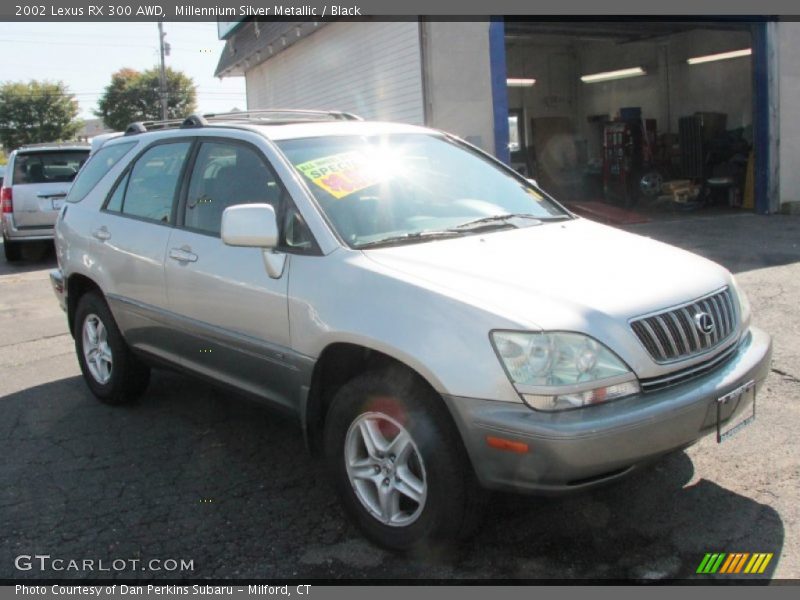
{"type": "Point", "coordinates": [48, 167]}
{"type": "Point", "coordinates": [93, 171]}
{"type": "Point", "coordinates": [153, 181]}
{"type": "Point", "coordinates": [225, 175]}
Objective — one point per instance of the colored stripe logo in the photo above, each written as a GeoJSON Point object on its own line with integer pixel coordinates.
{"type": "Point", "coordinates": [735, 562]}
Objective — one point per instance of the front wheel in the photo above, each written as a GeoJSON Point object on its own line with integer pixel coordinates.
{"type": "Point", "coordinates": [398, 463]}
{"type": "Point", "coordinates": [112, 372]}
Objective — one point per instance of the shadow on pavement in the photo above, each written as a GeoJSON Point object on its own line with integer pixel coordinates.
{"type": "Point", "coordinates": [193, 473]}
{"type": "Point", "coordinates": [35, 257]}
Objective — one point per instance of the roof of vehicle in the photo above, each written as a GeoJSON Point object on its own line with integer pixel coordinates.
{"type": "Point", "coordinates": [330, 128]}
{"type": "Point", "coordinates": [99, 140]}
{"type": "Point", "coordinates": [274, 124]}
{"type": "Point", "coordinates": [53, 146]}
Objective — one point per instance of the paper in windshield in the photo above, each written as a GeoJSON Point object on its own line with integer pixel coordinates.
{"type": "Point", "coordinates": [343, 174]}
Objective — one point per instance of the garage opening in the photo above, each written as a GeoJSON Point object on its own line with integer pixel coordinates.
{"type": "Point", "coordinates": [649, 118]}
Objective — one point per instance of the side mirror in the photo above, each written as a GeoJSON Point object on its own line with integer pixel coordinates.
{"type": "Point", "coordinates": [533, 182]}
{"type": "Point", "coordinates": [253, 225]}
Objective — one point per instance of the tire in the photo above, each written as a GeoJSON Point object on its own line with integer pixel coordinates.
{"type": "Point", "coordinates": [120, 377]}
{"type": "Point", "coordinates": [391, 404]}
{"type": "Point", "coordinates": [12, 250]}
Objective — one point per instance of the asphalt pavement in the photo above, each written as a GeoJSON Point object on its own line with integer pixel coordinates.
{"type": "Point", "coordinates": [198, 475]}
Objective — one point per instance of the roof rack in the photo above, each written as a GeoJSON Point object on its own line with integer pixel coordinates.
{"type": "Point", "coordinates": [261, 116]}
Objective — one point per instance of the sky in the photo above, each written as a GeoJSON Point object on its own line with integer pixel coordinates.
{"type": "Point", "coordinates": [84, 55]}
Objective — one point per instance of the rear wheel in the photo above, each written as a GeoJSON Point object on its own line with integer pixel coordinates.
{"type": "Point", "coordinates": [398, 463]}
{"type": "Point", "coordinates": [110, 369]}
{"type": "Point", "coordinates": [12, 250]}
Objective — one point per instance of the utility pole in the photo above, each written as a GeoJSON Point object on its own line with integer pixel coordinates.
{"type": "Point", "coordinates": [163, 77]}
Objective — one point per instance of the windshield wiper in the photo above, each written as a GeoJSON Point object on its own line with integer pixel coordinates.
{"type": "Point", "coordinates": [505, 221]}
{"type": "Point", "coordinates": [501, 220]}
{"type": "Point", "coordinates": [411, 237]}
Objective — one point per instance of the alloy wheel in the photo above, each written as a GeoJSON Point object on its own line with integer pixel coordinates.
{"type": "Point", "coordinates": [96, 351]}
{"type": "Point", "coordinates": [386, 469]}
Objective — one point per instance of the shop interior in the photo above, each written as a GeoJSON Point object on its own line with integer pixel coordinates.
{"type": "Point", "coordinates": [649, 117]}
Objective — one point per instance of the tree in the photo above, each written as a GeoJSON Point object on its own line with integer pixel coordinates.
{"type": "Point", "coordinates": [37, 111]}
{"type": "Point", "coordinates": [135, 96]}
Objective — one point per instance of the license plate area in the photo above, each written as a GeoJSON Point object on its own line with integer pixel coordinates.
{"type": "Point", "coordinates": [57, 203]}
{"type": "Point", "coordinates": [728, 404]}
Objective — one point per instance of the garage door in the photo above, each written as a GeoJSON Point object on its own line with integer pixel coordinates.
{"type": "Point", "coordinates": [371, 69]}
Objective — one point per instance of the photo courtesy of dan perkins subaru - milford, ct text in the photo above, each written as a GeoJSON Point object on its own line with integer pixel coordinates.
{"type": "Point", "coordinates": [170, 590]}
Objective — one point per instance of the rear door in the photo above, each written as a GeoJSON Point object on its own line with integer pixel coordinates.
{"type": "Point", "coordinates": [41, 180]}
{"type": "Point", "coordinates": [131, 234]}
{"type": "Point", "coordinates": [234, 316]}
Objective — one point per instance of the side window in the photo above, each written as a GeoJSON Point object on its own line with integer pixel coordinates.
{"type": "Point", "coordinates": [152, 182]}
{"type": "Point", "coordinates": [114, 203]}
{"type": "Point", "coordinates": [92, 172]}
{"type": "Point", "coordinates": [226, 174]}
{"type": "Point", "coordinates": [295, 233]}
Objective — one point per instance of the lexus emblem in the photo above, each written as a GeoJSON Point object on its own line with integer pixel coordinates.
{"type": "Point", "coordinates": [704, 323]}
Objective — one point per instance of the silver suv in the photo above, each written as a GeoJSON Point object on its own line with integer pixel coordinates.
{"type": "Point", "coordinates": [438, 324]}
{"type": "Point", "coordinates": [37, 179]}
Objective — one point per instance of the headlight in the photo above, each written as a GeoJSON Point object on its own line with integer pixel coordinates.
{"type": "Point", "coordinates": [559, 371]}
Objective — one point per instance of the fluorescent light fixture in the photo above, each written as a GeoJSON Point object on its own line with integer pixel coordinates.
{"type": "Point", "coordinates": [611, 75]}
{"type": "Point", "coordinates": [721, 56]}
{"type": "Point", "coordinates": [519, 82]}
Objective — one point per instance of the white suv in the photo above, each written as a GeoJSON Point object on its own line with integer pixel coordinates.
{"type": "Point", "coordinates": [36, 181]}
{"type": "Point", "coordinates": [437, 323]}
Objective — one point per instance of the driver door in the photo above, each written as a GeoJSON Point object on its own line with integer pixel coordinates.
{"type": "Point", "coordinates": [234, 324]}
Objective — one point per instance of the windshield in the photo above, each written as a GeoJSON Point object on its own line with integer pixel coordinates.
{"type": "Point", "coordinates": [410, 187]}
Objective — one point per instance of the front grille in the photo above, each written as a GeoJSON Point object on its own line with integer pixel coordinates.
{"type": "Point", "coordinates": [673, 334]}
{"type": "Point", "coordinates": [654, 384]}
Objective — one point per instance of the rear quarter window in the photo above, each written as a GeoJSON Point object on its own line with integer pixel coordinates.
{"type": "Point", "coordinates": [48, 167]}
{"type": "Point", "coordinates": [93, 171]}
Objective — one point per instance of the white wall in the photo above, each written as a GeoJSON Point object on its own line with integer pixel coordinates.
{"type": "Point", "coordinates": [555, 92]}
{"type": "Point", "coordinates": [720, 86]}
{"type": "Point", "coordinates": [458, 80]}
{"type": "Point", "coordinates": [372, 69]}
{"type": "Point", "coordinates": [789, 111]}
{"type": "Point", "coordinates": [606, 98]}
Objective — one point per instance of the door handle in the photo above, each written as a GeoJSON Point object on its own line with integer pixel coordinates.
{"type": "Point", "coordinates": [183, 254]}
{"type": "Point", "coordinates": [102, 234]}
{"type": "Point", "coordinates": [53, 195]}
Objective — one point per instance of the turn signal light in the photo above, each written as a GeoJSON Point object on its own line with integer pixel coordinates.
{"type": "Point", "coordinates": [508, 445]}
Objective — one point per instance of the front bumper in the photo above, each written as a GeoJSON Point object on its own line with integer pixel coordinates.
{"type": "Point", "coordinates": [585, 447]}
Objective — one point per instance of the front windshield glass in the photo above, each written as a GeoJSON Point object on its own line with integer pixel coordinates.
{"type": "Point", "coordinates": [411, 187]}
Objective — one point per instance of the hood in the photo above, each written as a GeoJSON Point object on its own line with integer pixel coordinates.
{"type": "Point", "coordinates": [568, 275]}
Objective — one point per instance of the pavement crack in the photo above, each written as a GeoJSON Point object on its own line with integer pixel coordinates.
{"type": "Point", "coordinates": [44, 337]}
{"type": "Point", "coordinates": [785, 375]}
